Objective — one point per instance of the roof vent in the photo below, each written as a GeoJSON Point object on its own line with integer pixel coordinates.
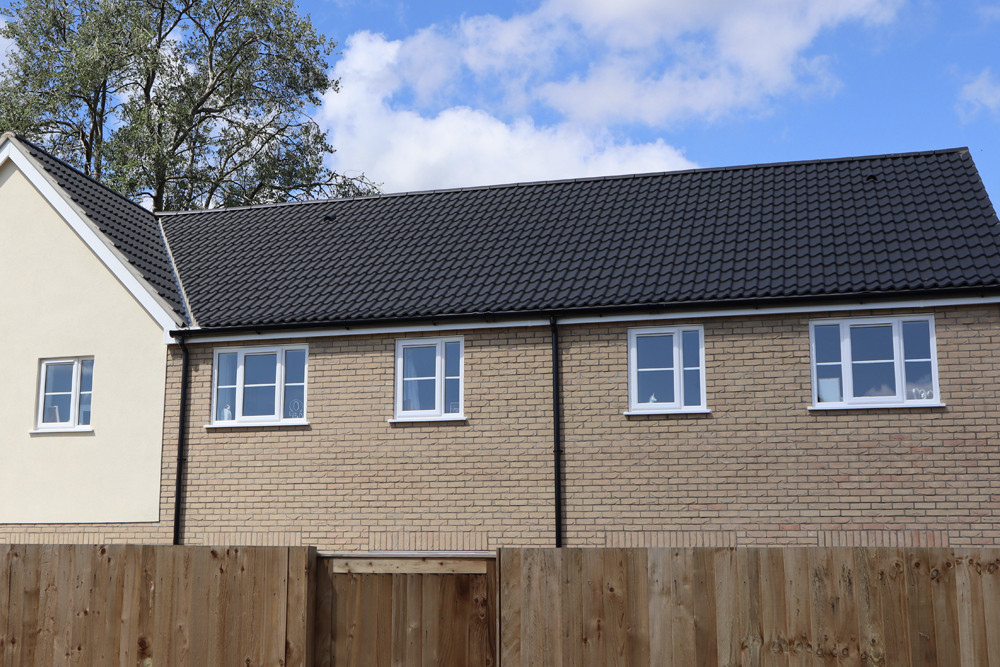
{"type": "Point", "coordinates": [871, 178]}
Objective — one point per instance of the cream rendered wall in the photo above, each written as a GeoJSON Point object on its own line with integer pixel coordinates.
{"type": "Point", "coordinates": [59, 300]}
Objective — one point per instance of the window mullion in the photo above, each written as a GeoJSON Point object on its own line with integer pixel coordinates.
{"type": "Point", "coordinates": [439, 372]}
{"type": "Point", "coordinates": [899, 362]}
{"type": "Point", "coordinates": [238, 408]}
{"type": "Point", "coordinates": [74, 393]}
{"type": "Point", "coordinates": [846, 362]}
{"type": "Point", "coordinates": [279, 384]}
{"type": "Point", "coordinates": [678, 368]}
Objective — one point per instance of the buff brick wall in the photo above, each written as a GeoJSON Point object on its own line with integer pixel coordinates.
{"type": "Point", "coordinates": [761, 469]}
{"type": "Point", "coordinates": [351, 481]}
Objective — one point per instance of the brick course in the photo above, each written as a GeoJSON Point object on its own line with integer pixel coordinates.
{"type": "Point", "coordinates": [761, 469]}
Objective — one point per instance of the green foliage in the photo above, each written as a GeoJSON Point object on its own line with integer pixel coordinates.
{"type": "Point", "coordinates": [182, 103]}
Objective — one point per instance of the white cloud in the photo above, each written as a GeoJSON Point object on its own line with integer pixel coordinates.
{"type": "Point", "coordinates": [460, 145]}
{"type": "Point", "coordinates": [541, 94]}
{"type": "Point", "coordinates": [982, 93]}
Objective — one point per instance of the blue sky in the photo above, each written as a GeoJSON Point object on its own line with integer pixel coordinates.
{"type": "Point", "coordinates": [445, 94]}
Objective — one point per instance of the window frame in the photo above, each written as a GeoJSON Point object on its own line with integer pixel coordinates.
{"type": "Point", "coordinates": [898, 400]}
{"type": "Point", "coordinates": [438, 413]}
{"type": "Point", "coordinates": [676, 406]}
{"type": "Point", "coordinates": [74, 423]}
{"type": "Point", "coordinates": [276, 419]}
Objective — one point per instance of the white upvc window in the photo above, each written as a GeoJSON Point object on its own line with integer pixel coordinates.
{"type": "Point", "coordinates": [65, 391]}
{"type": "Point", "coordinates": [429, 379]}
{"type": "Point", "coordinates": [874, 362]}
{"type": "Point", "coordinates": [666, 370]}
{"type": "Point", "coordinates": [259, 386]}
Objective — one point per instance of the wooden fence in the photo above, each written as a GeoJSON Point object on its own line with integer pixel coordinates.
{"type": "Point", "coordinates": [143, 605]}
{"type": "Point", "coordinates": [406, 611]}
{"type": "Point", "coordinates": [750, 606]}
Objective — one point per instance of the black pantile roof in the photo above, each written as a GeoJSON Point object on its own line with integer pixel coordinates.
{"type": "Point", "coordinates": [882, 225]}
{"type": "Point", "coordinates": [133, 230]}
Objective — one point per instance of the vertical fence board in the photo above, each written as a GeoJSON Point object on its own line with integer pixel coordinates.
{"type": "Point", "coordinates": [511, 599]}
{"type": "Point", "coordinates": [728, 626]}
{"type": "Point", "coordinates": [775, 632]}
{"type": "Point", "coordinates": [573, 628]}
{"type": "Point", "coordinates": [944, 593]}
{"type": "Point", "coordinates": [637, 604]}
{"type": "Point", "coordinates": [991, 602]}
{"type": "Point", "coordinates": [798, 606]}
{"type": "Point", "coordinates": [592, 591]}
{"type": "Point", "coordinates": [683, 613]}
{"type": "Point", "coordinates": [972, 626]}
{"type": "Point", "coordinates": [5, 588]}
{"type": "Point", "coordinates": [869, 601]}
{"type": "Point", "coordinates": [614, 593]}
{"type": "Point", "coordinates": [749, 606]}
{"type": "Point", "coordinates": [923, 647]}
{"type": "Point", "coordinates": [660, 615]}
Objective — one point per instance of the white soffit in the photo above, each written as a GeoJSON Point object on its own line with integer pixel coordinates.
{"type": "Point", "coordinates": [75, 218]}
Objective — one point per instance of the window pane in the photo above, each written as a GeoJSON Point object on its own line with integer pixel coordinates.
{"type": "Point", "coordinates": [225, 404]}
{"type": "Point", "coordinates": [452, 357]}
{"type": "Point", "coordinates": [295, 366]}
{"type": "Point", "coordinates": [654, 351]}
{"type": "Point", "coordinates": [59, 378]}
{"type": "Point", "coordinates": [452, 396]}
{"type": "Point", "coordinates": [419, 362]}
{"type": "Point", "coordinates": [829, 384]}
{"type": "Point", "coordinates": [919, 383]}
{"type": "Point", "coordinates": [295, 404]}
{"type": "Point", "coordinates": [258, 401]}
{"type": "Point", "coordinates": [691, 349]}
{"type": "Point", "coordinates": [916, 340]}
{"type": "Point", "coordinates": [692, 387]}
{"type": "Point", "coordinates": [227, 369]}
{"type": "Point", "coordinates": [871, 343]}
{"type": "Point", "coordinates": [260, 369]}
{"type": "Point", "coordinates": [84, 409]}
{"type": "Point", "coordinates": [827, 340]}
{"type": "Point", "coordinates": [874, 379]}
{"type": "Point", "coordinates": [655, 386]}
{"type": "Point", "coordinates": [418, 394]}
{"type": "Point", "coordinates": [87, 375]}
{"type": "Point", "coordinates": [56, 409]}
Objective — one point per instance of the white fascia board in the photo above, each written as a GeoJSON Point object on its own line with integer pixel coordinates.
{"type": "Point", "coordinates": [118, 265]}
{"type": "Point", "coordinates": [918, 304]}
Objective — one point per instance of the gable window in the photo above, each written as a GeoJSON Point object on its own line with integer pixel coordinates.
{"type": "Point", "coordinates": [666, 370]}
{"type": "Point", "coordinates": [429, 377]}
{"type": "Point", "coordinates": [259, 385]}
{"type": "Point", "coordinates": [65, 388]}
{"type": "Point", "coordinates": [874, 362]}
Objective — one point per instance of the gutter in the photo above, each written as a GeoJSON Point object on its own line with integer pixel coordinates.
{"type": "Point", "coordinates": [557, 473]}
{"type": "Point", "coordinates": [181, 442]}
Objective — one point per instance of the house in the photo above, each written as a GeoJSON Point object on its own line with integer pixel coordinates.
{"type": "Point", "coordinates": [786, 354]}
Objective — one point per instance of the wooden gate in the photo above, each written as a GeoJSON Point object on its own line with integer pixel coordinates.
{"type": "Point", "coordinates": [405, 611]}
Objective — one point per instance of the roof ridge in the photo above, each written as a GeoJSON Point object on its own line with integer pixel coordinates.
{"type": "Point", "coordinates": [67, 165]}
{"type": "Point", "coordinates": [587, 179]}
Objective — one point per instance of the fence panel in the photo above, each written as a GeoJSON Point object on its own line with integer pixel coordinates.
{"type": "Point", "coordinates": [792, 606]}
{"type": "Point", "coordinates": [405, 611]}
{"type": "Point", "coordinates": [129, 605]}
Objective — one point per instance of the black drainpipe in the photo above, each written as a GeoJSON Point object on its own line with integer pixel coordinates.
{"type": "Point", "coordinates": [556, 432]}
{"type": "Point", "coordinates": [181, 443]}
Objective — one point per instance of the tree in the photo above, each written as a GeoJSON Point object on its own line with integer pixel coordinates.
{"type": "Point", "coordinates": [181, 103]}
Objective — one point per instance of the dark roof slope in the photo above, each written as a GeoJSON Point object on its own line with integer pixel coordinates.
{"type": "Point", "coordinates": [133, 230]}
{"type": "Point", "coordinates": [883, 225]}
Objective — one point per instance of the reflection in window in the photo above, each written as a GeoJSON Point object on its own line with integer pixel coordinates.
{"type": "Point", "coordinates": [429, 378]}
{"type": "Point", "coordinates": [260, 385]}
{"type": "Point", "coordinates": [889, 361]}
{"type": "Point", "coordinates": [66, 393]}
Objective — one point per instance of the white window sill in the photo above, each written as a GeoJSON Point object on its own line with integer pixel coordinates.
{"type": "Point", "coordinates": [72, 429]}
{"type": "Point", "coordinates": [443, 418]}
{"type": "Point", "coordinates": [686, 411]}
{"type": "Point", "coordinates": [286, 422]}
{"type": "Point", "coordinates": [874, 406]}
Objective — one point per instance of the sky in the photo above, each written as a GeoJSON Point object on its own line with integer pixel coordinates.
{"type": "Point", "coordinates": [447, 94]}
